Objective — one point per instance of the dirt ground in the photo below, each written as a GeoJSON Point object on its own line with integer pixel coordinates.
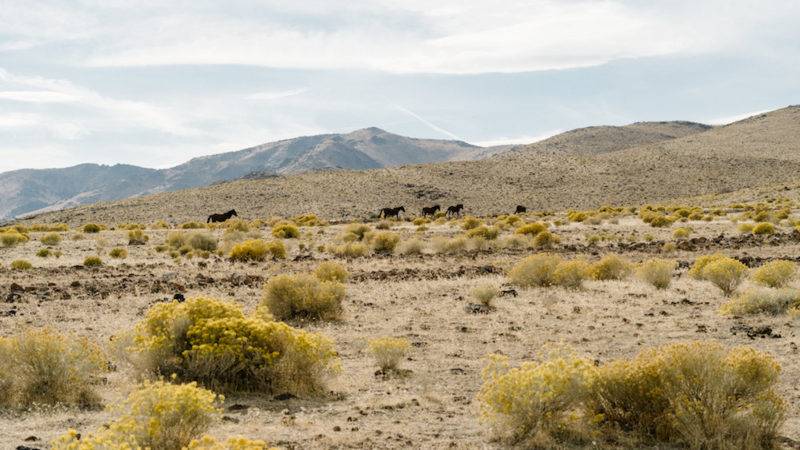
{"type": "Point", "coordinates": [423, 298]}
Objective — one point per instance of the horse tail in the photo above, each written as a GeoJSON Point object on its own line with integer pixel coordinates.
{"type": "Point", "coordinates": [208, 220]}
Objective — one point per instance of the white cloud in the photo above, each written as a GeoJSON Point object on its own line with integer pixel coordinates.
{"type": "Point", "coordinates": [518, 140]}
{"type": "Point", "coordinates": [277, 95]}
{"type": "Point", "coordinates": [37, 96]}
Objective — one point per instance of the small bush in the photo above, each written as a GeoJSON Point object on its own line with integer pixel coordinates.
{"type": "Point", "coordinates": [43, 367]}
{"type": "Point", "coordinates": [570, 274]}
{"type": "Point", "coordinates": [488, 233]}
{"type": "Point", "coordinates": [156, 416]}
{"type": "Point", "coordinates": [470, 222]}
{"type": "Point", "coordinates": [420, 221]}
{"type": "Point", "coordinates": [485, 293]}
{"type": "Point", "coordinates": [350, 250]}
{"type": "Point", "coordinates": [657, 272]}
{"type": "Point", "coordinates": [447, 246]}
{"type": "Point", "coordinates": [212, 342]}
{"type": "Point", "coordinates": [193, 225]}
{"type": "Point", "coordinates": [43, 252]}
{"type": "Point", "coordinates": [51, 239]}
{"type": "Point", "coordinates": [535, 270]}
{"type": "Point", "coordinates": [410, 247]}
{"type": "Point", "coordinates": [775, 274]}
{"type": "Point", "coordinates": [355, 232]}
{"type": "Point", "coordinates": [384, 225]}
{"type": "Point", "coordinates": [92, 261]}
{"type": "Point", "coordinates": [20, 264]}
{"type": "Point", "coordinates": [92, 228]}
{"type": "Point", "coordinates": [11, 238]}
{"type": "Point", "coordinates": [545, 240]}
{"type": "Point", "coordinates": [696, 271]}
{"type": "Point", "coordinates": [331, 271]}
{"type": "Point", "coordinates": [531, 229]}
{"type": "Point", "coordinates": [764, 228]}
{"type": "Point", "coordinates": [202, 241]}
{"type": "Point", "coordinates": [304, 297]}
{"type": "Point", "coordinates": [681, 233]}
{"type": "Point", "coordinates": [251, 250]}
{"type": "Point", "coordinates": [745, 228]}
{"type": "Point", "coordinates": [384, 242]}
{"type": "Point", "coordinates": [610, 267]}
{"type": "Point", "coordinates": [118, 253]}
{"type": "Point", "coordinates": [137, 237]}
{"type": "Point", "coordinates": [285, 230]}
{"type": "Point", "coordinates": [388, 352]}
{"type": "Point", "coordinates": [762, 300]}
{"type": "Point", "coordinates": [726, 273]}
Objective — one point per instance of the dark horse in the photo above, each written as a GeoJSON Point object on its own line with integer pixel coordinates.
{"type": "Point", "coordinates": [221, 217]}
{"type": "Point", "coordinates": [455, 210]}
{"type": "Point", "coordinates": [391, 212]}
{"type": "Point", "coordinates": [520, 209]}
{"type": "Point", "coordinates": [430, 211]}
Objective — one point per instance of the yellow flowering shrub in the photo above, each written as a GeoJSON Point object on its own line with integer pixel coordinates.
{"type": "Point", "coordinates": [764, 228]}
{"type": "Point", "coordinates": [531, 229]}
{"type": "Point", "coordinates": [726, 273]}
{"type": "Point", "coordinates": [303, 296]}
{"type": "Point", "coordinates": [470, 222]}
{"type": "Point", "coordinates": [384, 242]}
{"type": "Point", "coordinates": [485, 293]}
{"type": "Point", "coordinates": [212, 342]}
{"type": "Point", "coordinates": [20, 264]}
{"type": "Point", "coordinates": [44, 367]}
{"type": "Point", "coordinates": [762, 300]}
{"type": "Point", "coordinates": [349, 250]}
{"type": "Point", "coordinates": [156, 416]}
{"type": "Point", "coordinates": [535, 405]}
{"type": "Point", "coordinates": [285, 230]}
{"type": "Point", "coordinates": [50, 239]}
{"type": "Point", "coordinates": [535, 270]}
{"type": "Point", "coordinates": [484, 232]}
{"type": "Point", "coordinates": [355, 232]}
{"type": "Point", "coordinates": [257, 250]}
{"type": "Point", "coordinates": [388, 351]}
{"type": "Point", "coordinates": [137, 237]}
{"type": "Point", "coordinates": [308, 220]}
{"type": "Point", "coordinates": [10, 238]}
{"type": "Point", "coordinates": [775, 274]}
{"type": "Point", "coordinates": [118, 253]}
{"type": "Point", "coordinates": [570, 274]}
{"type": "Point", "coordinates": [92, 261]}
{"type": "Point", "coordinates": [235, 443]}
{"type": "Point", "coordinates": [545, 240]}
{"type": "Point", "coordinates": [331, 271]}
{"type": "Point", "coordinates": [693, 394]}
{"type": "Point", "coordinates": [656, 272]}
{"type": "Point", "coordinates": [92, 228]}
{"type": "Point", "coordinates": [610, 267]}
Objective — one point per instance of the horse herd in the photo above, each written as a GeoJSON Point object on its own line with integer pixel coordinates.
{"type": "Point", "coordinates": [452, 211]}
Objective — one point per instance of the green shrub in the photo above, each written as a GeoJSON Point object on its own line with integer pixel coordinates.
{"type": "Point", "coordinates": [43, 367]}
{"type": "Point", "coordinates": [535, 270]}
{"type": "Point", "coordinates": [764, 228]}
{"type": "Point", "coordinates": [92, 228]}
{"type": "Point", "coordinates": [726, 273]}
{"type": "Point", "coordinates": [213, 343]}
{"type": "Point", "coordinates": [43, 252]}
{"type": "Point", "coordinates": [137, 237]}
{"type": "Point", "coordinates": [118, 253]}
{"type": "Point", "coordinates": [531, 229]}
{"type": "Point", "coordinates": [681, 233]}
{"type": "Point", "coordinates": [388, 352]}
{"type": "Point", "coordinates": [331, 271]}
{"type": "Point", "coordinates": [92, 261]}
{"type": "Point", "coordinates": [762, 300]}
{"type": "Point", "coordinates": [775, 274]}
{"type": "Point", "coordinates": [285, 230]}
{"type": "Point", "coordinates": [384, 242]}
{"type": "Point", "coordinates": [157, 416]}
{"type": "Point", "coordinates": [51, 239]}
{"type": "Point", "coordinates": [303, 296]}
{"type": "Point", "coordinates": [20, 264]}
{"type": "Point", "coordinates": [657, 272]}
{"type": "Point", "coordinates": [610, 267]}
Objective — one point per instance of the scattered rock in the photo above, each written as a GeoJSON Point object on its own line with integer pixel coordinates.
{"type": "Point", "coordinates": [478, 308]}
{"type": "Point", "coordinates": [762, 331]}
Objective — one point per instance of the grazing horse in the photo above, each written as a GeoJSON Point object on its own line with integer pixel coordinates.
{"type": "Point", "coordinates": [520, 210]}
{"type": "Point", "coordinates": [221, 217]}
{"type": "Point", "coordinates": [430, 211]}
{"type": "Point", "coordinates": [391, 212]}
{"type": "Point", "coordinates": [455, 210]}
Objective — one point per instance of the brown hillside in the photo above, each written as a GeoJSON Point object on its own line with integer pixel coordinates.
{"type": "Point", "coordinates": [758, 151]}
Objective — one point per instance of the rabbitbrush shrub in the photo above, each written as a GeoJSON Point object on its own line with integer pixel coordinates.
{"type": "Point", "coordinates": [488, 233]}
{"type": "Point", "coordinates": [410, 247]}
{"type": "Point", "coordinates": [570, 274]}
{"type": "Point", "coordinates": [137, 237]}
{"type": "Point", "coordinates": [303, 296]}
{"type": "Point", "coordinates": [285, 230]}
{"type": "Point", "coordinates": [44, 367]}
{"type": "Point", "coordinates": [156, 416]}
{"type": "Point", "coordinates": [118, 253]}
{"type": "Point", "coordinates": [764, 228]}
{"type": "Point", "coordinates": [610, 267]}
{"type": "Point", "coordinates": [762, 300]}
{"type": "Point", "coordinates": [350, 250]}
{"type": "Point", "coordinates": [92, 261]}
{"type": "Point", "coordinates": [92, 228]}
{"type": "Point", "coordinates": [485, 293]}
{"type": "Point", "coordinates": [257, 250]}
{"type": "Point", "coordinates": [384, 242]}
{"type": "Point", "coordinates": [331, 271]}
{"type": "Point", "coordinates": [656, 272]}
{"type": "Point", "coordinates": [685, 395]}
{"type": "Point", "coordinates": [531, 229]}
{"type": "Point", "coordinates": [775, 273]}
{"type": "Point", "coordinates": [11, 238]}
{"type": "Point", "coordinates": [545, 240]}
{"type": "Point", "coordinates": [50, 239]}
{"type": "Point", "coordinates": [214, 343]}
{"type": "Point", "coordinates": [535, 270]}
{"type": "Point", "coordinates": [470, 222]}
{"type": "Point", "coordinates": [20, 264]}
{"type": "Point", "coordinates": [388, 351]}
{"type": "Point", "coordinates": [726, 273]}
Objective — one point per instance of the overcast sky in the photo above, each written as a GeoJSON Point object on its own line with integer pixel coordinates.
{"type": "Point", "coordinates": [155, 83]}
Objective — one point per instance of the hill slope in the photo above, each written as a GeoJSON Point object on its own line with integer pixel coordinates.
{"type": "Point", "coordinates": [757, 151]}
{"type": "Point", "coordinates": [27, 191]}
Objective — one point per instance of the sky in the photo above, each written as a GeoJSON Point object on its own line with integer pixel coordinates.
{"type": "Point", "coordinates": [156, 83]}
